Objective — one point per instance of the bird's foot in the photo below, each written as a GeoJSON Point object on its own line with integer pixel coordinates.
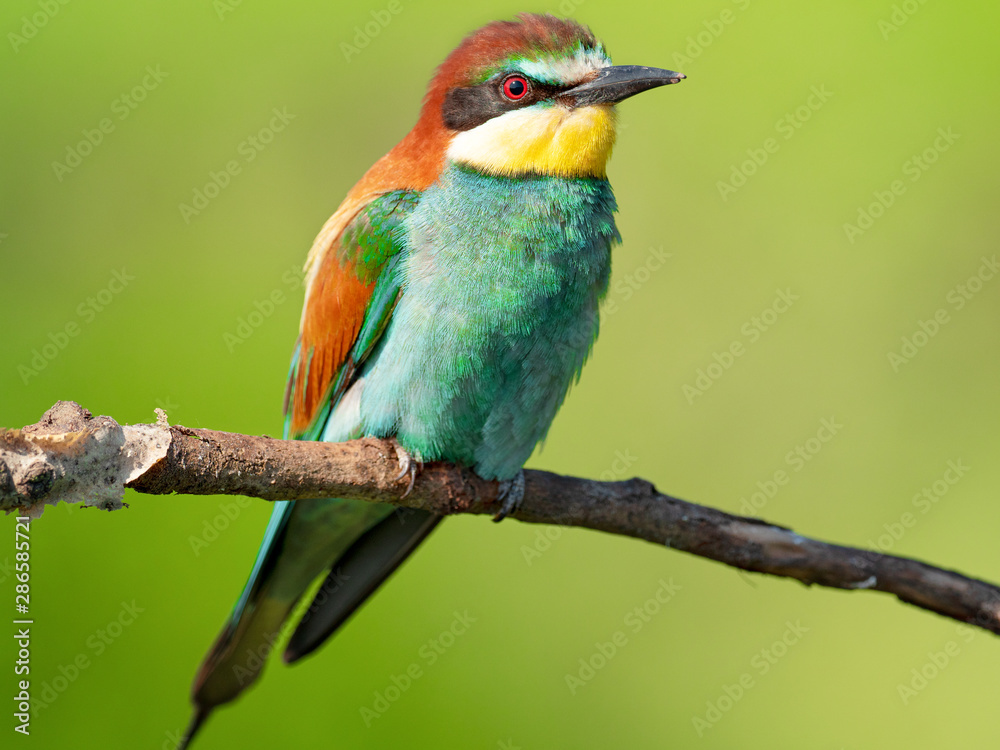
{"type": "Point", "coordinates": [408, 465]}
{"type": "Point", "coordinates": [511, 494]}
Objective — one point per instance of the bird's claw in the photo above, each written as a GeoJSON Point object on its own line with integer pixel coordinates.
{"type": "Point", "coordinates": [408, 465]}
{"type": "Point", "coordinates": [511, 494]}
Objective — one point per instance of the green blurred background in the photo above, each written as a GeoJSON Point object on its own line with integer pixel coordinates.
{"type": "Point", "coordinates": [891, 75]}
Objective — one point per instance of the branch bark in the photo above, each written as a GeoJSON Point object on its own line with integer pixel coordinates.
{"type": "Point", "coordinates": [71, 456]}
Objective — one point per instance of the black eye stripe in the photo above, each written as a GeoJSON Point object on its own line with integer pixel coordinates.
{"type": "Point", "coordinates": [471, 106]}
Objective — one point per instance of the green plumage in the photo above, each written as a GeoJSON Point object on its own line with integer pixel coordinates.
{"type": "Point", "coordinates": [480, 296]}
{"type": "Point", "coordinates": [485, 308]}
{"type": "Point", "coordinates": [501, 280]}
{"type": "Point", "coordinates": [374, 235]}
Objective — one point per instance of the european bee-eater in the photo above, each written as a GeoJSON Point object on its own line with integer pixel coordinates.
{"type": "Point", "coordinates": [450, 303]}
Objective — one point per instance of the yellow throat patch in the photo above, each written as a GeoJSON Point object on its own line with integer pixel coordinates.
{"type": "Point", "coordinates": [551, 140]}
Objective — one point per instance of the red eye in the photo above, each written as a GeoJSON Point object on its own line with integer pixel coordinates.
{"type": "Point", "coordinates": [515, 87]}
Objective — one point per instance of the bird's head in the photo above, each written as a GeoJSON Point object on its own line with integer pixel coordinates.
{"type": "Point", "coordinates": [533, 96]}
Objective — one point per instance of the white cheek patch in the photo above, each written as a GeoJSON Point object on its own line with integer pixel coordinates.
{"type": "Point", "coordinates": [565, 70]}
{"type": "Point", "coordinates": [544, 139]}
{"type": "Point", "coordinates": [508, 142]}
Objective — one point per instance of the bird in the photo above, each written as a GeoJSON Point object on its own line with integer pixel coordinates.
{"type": "Point", "coordinates": [450, 303]}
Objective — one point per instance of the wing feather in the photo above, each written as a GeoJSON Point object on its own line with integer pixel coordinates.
{"type": "Point", "coordinates": [343, 316]}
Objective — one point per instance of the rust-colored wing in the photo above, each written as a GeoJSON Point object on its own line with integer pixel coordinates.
{"type": "Point", "coordinates": [351, 287]}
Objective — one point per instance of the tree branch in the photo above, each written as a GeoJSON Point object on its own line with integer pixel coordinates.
{"type": "Point", "coordinates": [73, 457]}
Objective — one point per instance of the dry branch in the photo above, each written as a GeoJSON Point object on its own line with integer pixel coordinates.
{"type": "Point", "coordinates": [73, 457]}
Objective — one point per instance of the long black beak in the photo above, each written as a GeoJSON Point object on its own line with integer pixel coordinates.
{"type": "Point", "coordinates": [618, 82]}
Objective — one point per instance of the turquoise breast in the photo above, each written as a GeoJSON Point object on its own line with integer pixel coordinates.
{"type": "Point", "coordinates": [502, 282]}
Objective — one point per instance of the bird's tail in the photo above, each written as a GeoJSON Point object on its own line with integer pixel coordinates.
{"type": "Point", "coordinates": [359, 543]}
